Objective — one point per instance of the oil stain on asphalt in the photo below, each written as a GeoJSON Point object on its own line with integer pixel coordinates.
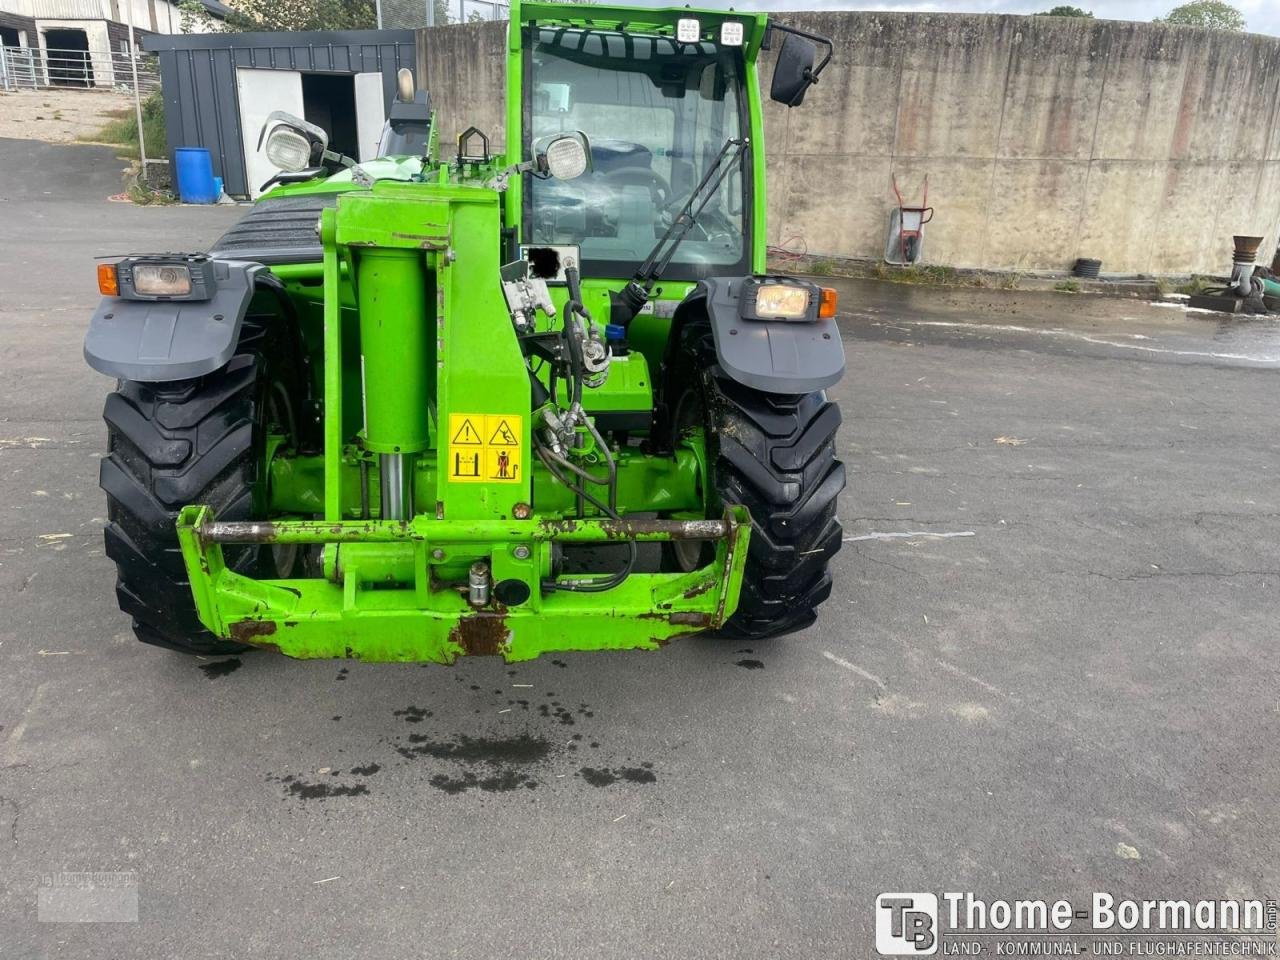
{"type": "Point", "coordinates": [221, 668]}
{"type": "Point", "coordinates": [459, 763]}
{"type": "Point", "coordinates": [413, 714]}
{"type": "Point", "coordinates": [491, 764]}
{"type": "Point", "coordinates": [319, 789]}
{"type": "Point", "coordinates": [603, 777]}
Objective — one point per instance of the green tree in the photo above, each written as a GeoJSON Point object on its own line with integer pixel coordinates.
{"type": "Point", "coordinates": [1065, 11]}
{"type": "Point", "coordinates": [283, 15]}
{"type": "Point", "coordinates": [1214, 14]}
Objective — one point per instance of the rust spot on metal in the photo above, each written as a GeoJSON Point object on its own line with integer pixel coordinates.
{"type": "Point", "coordinates": [701, 620]}
{"type": "Point", "coordinates": [481, 634]}
{"type": "Point", "coordinates": [559, 526]}
{"type": "Point", "coordinates": [248, 631]}
{"type": "Point", "coordinates": [682, 635]}
{"type": "Point", "coordinates": [698, 589]}
{"type": "Point", "coordinates": [428, 241]}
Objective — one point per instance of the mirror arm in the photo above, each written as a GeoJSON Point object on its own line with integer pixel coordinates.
{"type": "Point", "coordinates": [501, 178]}
{"type": "Point", "coordinates": [339, 158]}
{"type": "Point", "coordinates": [292, 176]}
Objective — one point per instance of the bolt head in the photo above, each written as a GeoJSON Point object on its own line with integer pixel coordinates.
{"type": "Point", "coordinates": [437, 554]}
{"type": "Point", "coordinates": [521, 552]}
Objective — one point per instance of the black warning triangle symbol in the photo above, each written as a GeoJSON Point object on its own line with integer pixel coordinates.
{"type": "Point", "coordinates": [503, 434]}
{"type": "Point", "coordinates": [467, 434]}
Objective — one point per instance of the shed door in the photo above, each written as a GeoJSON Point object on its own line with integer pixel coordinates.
{"type": "Point", "coordinates": [260, 92]}
{"type": "Point", "coordinates": [371, 113]}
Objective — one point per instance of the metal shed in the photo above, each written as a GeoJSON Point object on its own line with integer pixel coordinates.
{"type": "Point", "coordinates": [219, 87]}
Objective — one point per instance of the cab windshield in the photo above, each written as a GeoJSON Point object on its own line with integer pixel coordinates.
{"type": "Point", "coordinates": [657, 114]}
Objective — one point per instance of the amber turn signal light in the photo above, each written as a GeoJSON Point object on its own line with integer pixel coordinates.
{"type": "Point", "coordinates": [826, 303]}
{"type": "Point", "coordinates": [108, 283]}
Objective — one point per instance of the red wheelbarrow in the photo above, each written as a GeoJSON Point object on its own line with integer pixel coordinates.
{"type": "Point", "coordinates": [906, 228]}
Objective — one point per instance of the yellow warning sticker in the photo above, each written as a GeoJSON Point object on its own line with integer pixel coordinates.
{"type": "Point", "coordinates": [464, 430]}
{"type": "Point", "coordinates": [485, 448]}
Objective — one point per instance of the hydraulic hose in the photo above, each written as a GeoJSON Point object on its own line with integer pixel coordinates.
{"type": "Point", "coordinates": [550, 460]}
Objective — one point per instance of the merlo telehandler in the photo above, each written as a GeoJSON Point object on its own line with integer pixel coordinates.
{"type": "Point", "coordinates": [454, 401]}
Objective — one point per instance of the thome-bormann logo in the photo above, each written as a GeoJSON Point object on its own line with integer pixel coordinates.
{"type": "Point", "coordinates": [911, 925]}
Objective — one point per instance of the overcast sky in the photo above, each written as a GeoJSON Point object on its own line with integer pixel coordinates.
{"type": "Point", "coordinates": [1263, 16]}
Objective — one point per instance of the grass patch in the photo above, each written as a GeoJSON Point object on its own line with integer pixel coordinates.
{"type": "Point", "coordinates": [122, 128]}
{"type": "Point", "coordinates": [924, 275]}
{"type": "Point", "coordinates": [144, 196]}
{"type": "Point", "coordinates": [1067, 286]}
{"type": "Point", "coordinates": [1196, 284]}
{"type": "Point", "coordinates": [928, 275]}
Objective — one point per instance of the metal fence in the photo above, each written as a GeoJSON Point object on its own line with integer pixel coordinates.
{"type": "Point", "coordinates": [35, 68]}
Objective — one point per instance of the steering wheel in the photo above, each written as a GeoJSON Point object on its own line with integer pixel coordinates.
{"type": "Point", "coordinates": [643, 177]}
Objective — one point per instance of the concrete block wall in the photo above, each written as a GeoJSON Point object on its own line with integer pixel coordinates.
{"type": "Point", "coordinates": [1044, 139]}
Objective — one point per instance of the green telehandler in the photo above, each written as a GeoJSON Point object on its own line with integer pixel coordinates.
{"type": "Point", "coordinates": [447, 402]}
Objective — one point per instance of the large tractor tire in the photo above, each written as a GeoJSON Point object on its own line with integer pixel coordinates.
{"type": "Point", "coordinates": [775, 455]}
{"type": "Point", "coordinates": [200, 441]}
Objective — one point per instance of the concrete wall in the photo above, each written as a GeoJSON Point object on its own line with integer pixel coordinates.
{"type": "Point", "coordinates": [465, 70]}
{"type": "Point", "coordinates": [1044, 139]}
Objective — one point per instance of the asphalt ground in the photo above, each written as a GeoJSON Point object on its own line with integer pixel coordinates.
{"type": "Point", "coordinates": [1062, 681]}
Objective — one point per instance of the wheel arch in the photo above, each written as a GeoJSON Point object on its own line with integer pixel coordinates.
{"type": "Point", "coordinates": [774, 356]}
{"type": "Point", "coordinates": [160, 341]}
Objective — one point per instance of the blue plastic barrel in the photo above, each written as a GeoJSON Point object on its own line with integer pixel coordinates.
{"type": "Point", "coordinates": [195, 175]}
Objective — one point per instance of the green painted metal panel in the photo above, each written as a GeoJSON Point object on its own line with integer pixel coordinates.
{"type": "Point", "coordinates": [319, 618]}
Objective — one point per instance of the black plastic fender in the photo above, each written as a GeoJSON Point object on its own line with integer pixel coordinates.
{"type": "Point", "coordinates": [775, 356]}
{"type": "Point", "coordinates": [160, 340]}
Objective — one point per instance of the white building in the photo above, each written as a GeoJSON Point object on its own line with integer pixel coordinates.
{"type": "Point", "coordinates": [82, 43]}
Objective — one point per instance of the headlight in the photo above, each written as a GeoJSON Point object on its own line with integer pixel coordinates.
{"type": "Point", "coordinates": [173, 276]}
{"type": "Point", "coordinates": [777, 298]}
{"type": "Point", "coordinates": [565, 156]}
{"type": "Point", "coordinates": [162, 279]}
{"type": "Point", "coordinates": [288, 150]}
{"type": "Point", "coordinates": [785, 298]}
{"type": "Point", "coordinates": [782, 301]}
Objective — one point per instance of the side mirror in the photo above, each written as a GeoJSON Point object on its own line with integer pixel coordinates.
{"type": "Point", "coordinates": [793, 73]}
{"type": "Point", "coordinates": [564, 156]}
{"type": "Point", "coordinates": [292, 144]}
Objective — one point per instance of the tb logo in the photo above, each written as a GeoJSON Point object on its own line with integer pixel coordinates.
{"type": "Point", "coordinates": [906, 924]}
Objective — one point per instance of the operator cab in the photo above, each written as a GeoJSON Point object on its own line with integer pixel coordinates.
{"type": "Point", "coordinates": [658, 113]}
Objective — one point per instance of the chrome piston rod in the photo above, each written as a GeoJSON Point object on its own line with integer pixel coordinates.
{"type": "Point", "coordinates": [395, 480]}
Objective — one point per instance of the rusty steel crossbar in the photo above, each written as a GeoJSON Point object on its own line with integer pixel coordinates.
{"type": "Point", "coordinates": [393, 531]}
